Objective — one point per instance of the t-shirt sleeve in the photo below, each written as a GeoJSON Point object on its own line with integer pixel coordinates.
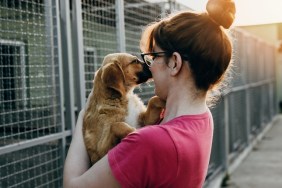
{"type": "Point", "coordinates": [145, 158]}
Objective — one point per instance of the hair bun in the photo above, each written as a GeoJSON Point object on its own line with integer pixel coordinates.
{"type": "Point", "coordinates": [222, 12]}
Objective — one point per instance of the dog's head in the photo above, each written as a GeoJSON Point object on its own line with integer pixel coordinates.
{"type": "Point", "coordinates": [121, 72]}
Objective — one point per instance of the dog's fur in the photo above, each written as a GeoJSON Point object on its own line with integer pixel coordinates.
{"type": "Point", "coordinates": [113, 109]}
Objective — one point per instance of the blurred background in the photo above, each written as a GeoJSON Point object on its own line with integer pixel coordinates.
{"type": "Point", "coordinates": [50, 49]}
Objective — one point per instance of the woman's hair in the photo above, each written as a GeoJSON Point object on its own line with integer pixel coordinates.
{"type": "Point", "coordinates": [199, 38]}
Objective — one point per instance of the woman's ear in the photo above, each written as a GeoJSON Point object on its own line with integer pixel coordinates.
{"type": "Point", "coordinates": [175, 64]}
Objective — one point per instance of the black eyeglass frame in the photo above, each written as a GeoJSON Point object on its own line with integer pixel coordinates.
{"type": "Point", "coordinates": [154, 54]}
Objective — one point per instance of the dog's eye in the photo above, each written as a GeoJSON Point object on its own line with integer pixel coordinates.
{"type": "Point", "coordinates": [135, 61]}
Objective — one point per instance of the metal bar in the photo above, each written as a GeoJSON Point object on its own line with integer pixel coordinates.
{"type": "Point", "coordinates": [67, 62]}
{"type": "Point", "coordinates": [251, 85]}
{"type": "Point", "coordinates": [49, 41]}
{"type": "Point", "coordinates": [248, 115]}
{"type": "Point", "coordinates": [127, 6]}
{"type": "Point", "coordinates": [260, 116]}
{"type": "Point", "coordinates": [78, 54]}
{"type": "Point", "coordinates": [33, 142]}
{"type": "Point", "coordinates": [271, 100]}
{"type": "Point", "coordinates": [23, 72]}
{"type": "Point", "coordinates": [12, 42]}
{"type": "Point", "coordinates": [120, 25]}
{"type": "Point", "coordinates": [226, 138]}
{"type": "Point", "coordinates": [59, 44]}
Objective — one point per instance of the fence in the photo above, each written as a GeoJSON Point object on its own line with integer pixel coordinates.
{"type": "Point", "coordinates": [31, 114]}
{"type": "Point", "coordinates": [49, 51]}
{"type": "Point", "coordinates": [245, 110]}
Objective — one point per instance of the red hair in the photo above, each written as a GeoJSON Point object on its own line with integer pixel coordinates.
{"type": "Point", "coordinates": [199, 38]}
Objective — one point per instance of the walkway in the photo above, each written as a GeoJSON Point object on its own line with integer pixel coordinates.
{"type": "Point", "coordinates": [262, 168]}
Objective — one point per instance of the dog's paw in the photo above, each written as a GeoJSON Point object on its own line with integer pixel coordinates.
{"type": "Point", "coordinates": [153, 113]}
{"type": "Point", "coordinates": [156, 102]}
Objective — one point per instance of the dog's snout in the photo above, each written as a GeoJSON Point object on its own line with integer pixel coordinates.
{"type": "Point", "coordinates": [145, 74]}
{"type": "Point", "coordinates": [146, 69]}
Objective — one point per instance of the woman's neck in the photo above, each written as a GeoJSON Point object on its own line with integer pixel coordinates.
{"type": "Point", "coordinates": [184, 102]}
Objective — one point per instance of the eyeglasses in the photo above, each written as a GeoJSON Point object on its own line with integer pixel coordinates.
{"type": "Point", "coordinates": [149, 58]}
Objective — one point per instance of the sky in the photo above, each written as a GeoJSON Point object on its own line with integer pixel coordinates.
{"type": "Point", "coordinates": [248, 12]}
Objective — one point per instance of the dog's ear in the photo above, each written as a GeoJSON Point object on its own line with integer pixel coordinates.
{"type": "Point", "coordinates": [113, 77]}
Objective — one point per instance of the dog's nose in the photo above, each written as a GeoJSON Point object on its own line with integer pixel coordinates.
{"type": "Point", "coordinates": [145, 74]}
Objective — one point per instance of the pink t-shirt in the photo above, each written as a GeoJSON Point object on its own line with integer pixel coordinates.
{"type": "Point", "coordinates": [175, 154]}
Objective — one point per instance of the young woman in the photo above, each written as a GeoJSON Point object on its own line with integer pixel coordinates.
{"type": "Point", "coordinates": [188, 54]}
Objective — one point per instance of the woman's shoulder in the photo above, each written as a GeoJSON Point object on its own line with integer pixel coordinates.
{"type": "Point", "coordinates": [150, 135]}
{"type": "Point", "coordinates": [191, 117]}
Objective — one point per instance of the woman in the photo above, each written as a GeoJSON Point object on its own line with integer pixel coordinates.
{"type": "Point", "coordinates": [188, 54]}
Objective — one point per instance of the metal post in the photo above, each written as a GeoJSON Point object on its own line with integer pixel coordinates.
{"type": "Point", "coordinates": [56, 3]}
{"type": "Point", "coordinates": [248, 115]}
{"type": "Point", "coordinates": [272, 98]}
{"type": "Point", "coordinates": [120, 25]}
{"type": "Point", "coordinates": [78, 54]}
{"type": "Point", "coordinates": [50, 42]}
{"type": "Point", "coordinates": [67, 64]}
{"type": "Point", "coordinates": [226, 141]}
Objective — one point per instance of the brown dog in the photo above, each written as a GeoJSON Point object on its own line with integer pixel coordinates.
{"type": "Point", "coordinates": [113, 109]}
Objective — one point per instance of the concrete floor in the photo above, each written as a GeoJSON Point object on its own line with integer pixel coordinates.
{"type": "Point", "coordinates": [262, 168]}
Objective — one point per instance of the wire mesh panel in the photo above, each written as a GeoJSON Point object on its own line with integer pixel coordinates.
{"type": "Point", "coordinates": [218, 154]}
{"type": "Point", "coordinates": [260, 60]}
{"type": "Point", "coordinates": [39, 166]}
{"type": "Point", "coordinates": [137, 15]}
{"type": "Point", "coordinates": [99, 35]}
{"type": "Point", "coordinates": [237, 121]}
{"type": "Point", "coordinates": [272, 101]}
{"type": "Point", "coordinates": [265, 102]}
{"type": "Point", "coordinates": [29, 105]}
{"type": "Point", "coordinates": [239, 59]}
{"type": "Point", "coordinates": [255, 109]}
{"type": "Point", "coordinates": [29, 89]}
{"type": "Point", "coordinates": [269, 64]}
{"type": "Point", "coordinates": [251, 59]}
{"type": "Point", "coordinates": [270, 75]}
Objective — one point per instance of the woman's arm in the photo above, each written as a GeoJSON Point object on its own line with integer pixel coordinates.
{"type": "Point", "coordinates": [77, 171]}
